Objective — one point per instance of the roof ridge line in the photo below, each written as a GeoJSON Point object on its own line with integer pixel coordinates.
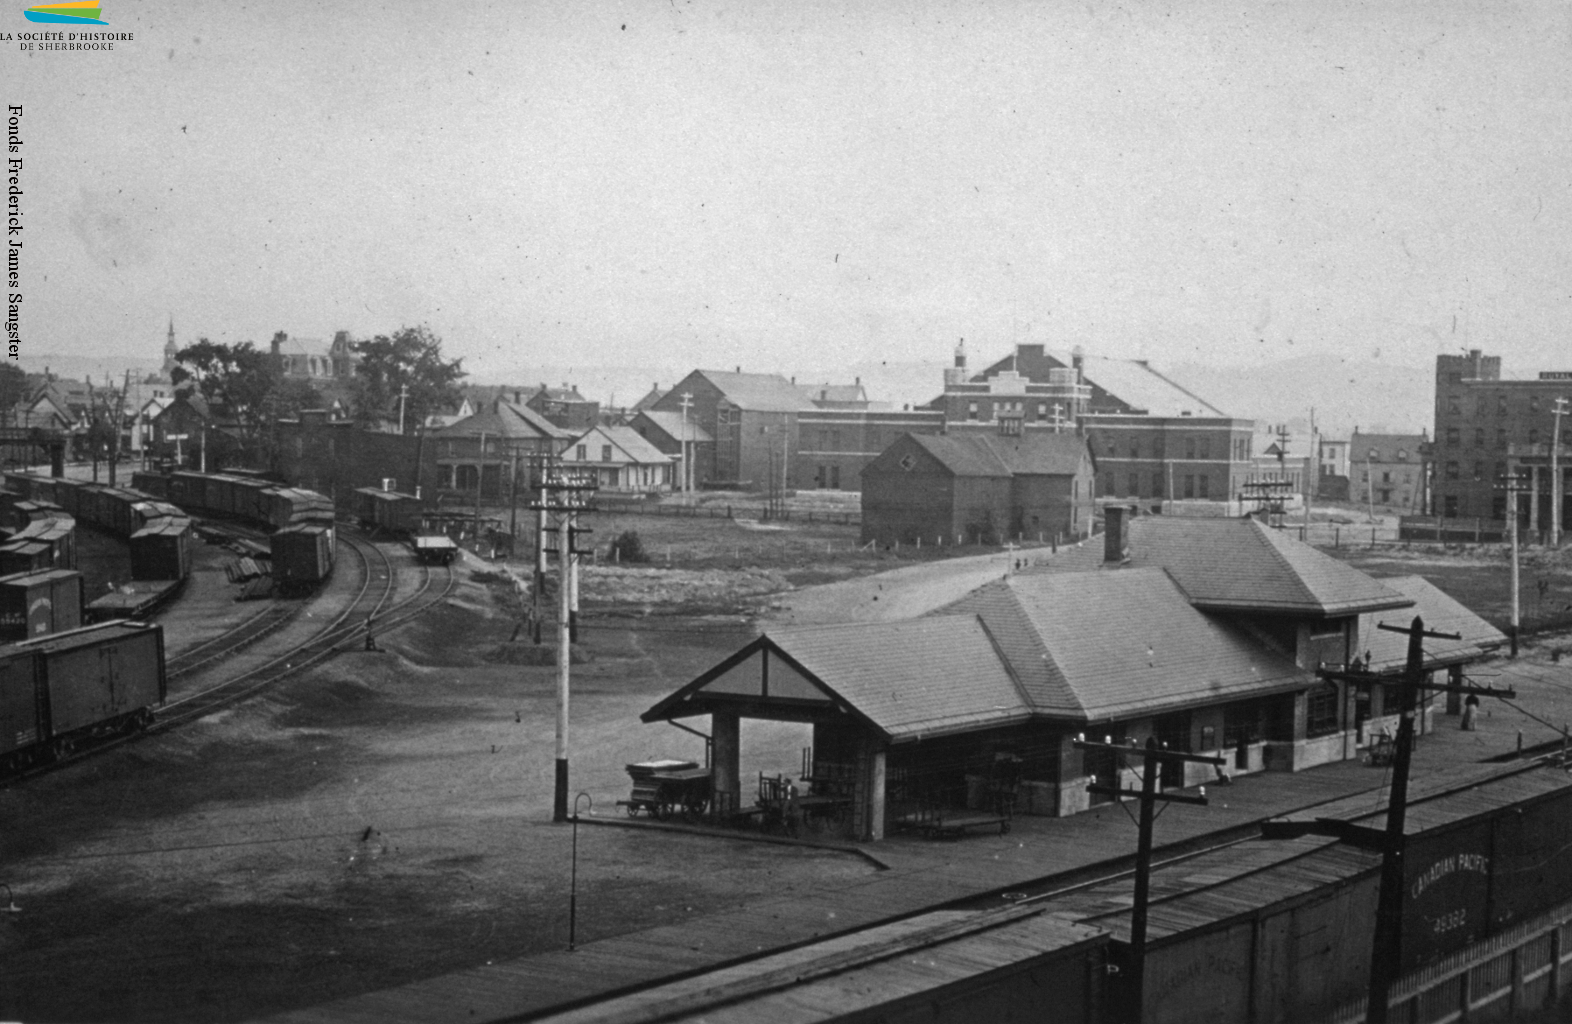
{"type": "Point", "coordinates": [1282, 560]}
{"type": "Point", "coordinates": [1004, 659]}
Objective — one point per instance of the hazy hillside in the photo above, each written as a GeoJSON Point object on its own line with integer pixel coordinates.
{"type": "Point", "coordinates": [1376, 397]}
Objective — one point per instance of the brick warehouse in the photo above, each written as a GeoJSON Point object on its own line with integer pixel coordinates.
{"type": "Point", "coordinates": [1485, 425]}
{"type": "Point", "coordinates": [979, 488]}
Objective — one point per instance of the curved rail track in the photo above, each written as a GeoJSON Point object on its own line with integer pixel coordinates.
{"type": "Point", "coordinates": [368, 602]}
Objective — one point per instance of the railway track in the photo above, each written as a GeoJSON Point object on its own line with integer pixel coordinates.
{"type": "Point", "coordinates": [346, 627]}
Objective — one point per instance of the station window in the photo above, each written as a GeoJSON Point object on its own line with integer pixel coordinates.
{"type": "Point", "coordinates": [1321, 711]}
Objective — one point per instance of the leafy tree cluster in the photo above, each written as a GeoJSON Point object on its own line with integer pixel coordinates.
{"type": "Point", "coordinates": [409, 363]}
{"type": "Point", "coordinates": [245, 387]}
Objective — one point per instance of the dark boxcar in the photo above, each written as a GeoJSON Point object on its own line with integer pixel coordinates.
{"type": "Point", "coordinates": [153, 484]}
{"type": "Point", "coordinates": [67, 494]}
{"type": "Point", "coordinates": [145, 512]}
{"type": "Point", "coordinates": [21, 712]}
{"type": "Point", "coordinates": [22, 556]}
{"type": "Point", "coordinates": [161, 550]}
{"type": "Point", "coordinates": [248, 498]}
{"type": "Point", "coordinates": [101, 678]}
{"type": "Point", "coordinates": [302, 556]}
{"type": "Point", "coordinates": [188, 490]}
{"type": "Point", "coordinates": [40, 603]}
{"type": "Point", "coordinates": [58, 536]}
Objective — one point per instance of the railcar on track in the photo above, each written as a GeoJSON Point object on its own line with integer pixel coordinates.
{"type": "Point", "coordinates": [400, 515]}
{"type": "Point", "coordinates": [60, 691]}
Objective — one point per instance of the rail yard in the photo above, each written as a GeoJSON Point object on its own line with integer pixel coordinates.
{"type": "Point", "coordinates": [368, 835]}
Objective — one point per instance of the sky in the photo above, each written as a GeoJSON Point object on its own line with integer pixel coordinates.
{"type": "Point", "coordinates": [804, 186]}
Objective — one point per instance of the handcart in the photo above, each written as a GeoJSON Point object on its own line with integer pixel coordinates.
{"type": "Point", "coordinates": [662, 789]}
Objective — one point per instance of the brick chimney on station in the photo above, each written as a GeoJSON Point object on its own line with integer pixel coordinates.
{"type": "Point", "coordinates": [1116, 533]}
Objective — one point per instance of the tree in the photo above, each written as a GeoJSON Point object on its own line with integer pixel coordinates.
{"type": "Point", "coordinates": [411, 358]}
{"type": "Point", "coordinates": [13, 391]}
{"type": "Point", "coordinates": [238, 382]}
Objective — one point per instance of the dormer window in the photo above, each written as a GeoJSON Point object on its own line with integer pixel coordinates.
{"type": "Point", "coordinates": [1375, 453]}
{"type": "Point", "coordinates": [1402, 454]}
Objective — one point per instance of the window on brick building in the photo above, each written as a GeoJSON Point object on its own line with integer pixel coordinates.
{"type": "Point", "coordinates": [1533, 403]}
{"type": "Point", "coordinates": [1501, 405]}
{"type": "Point", "coordinates": [1498, 507]}
{"type": "Point", "coordinates": [1479, 471]}
{"type": "Point", "coordinates": [1189, 485]}
{"type": "Point", "coordinates": [971, 410]}
{"type": "Point", "coordinates": [1135, 449]}
{"type": "Point", "coordinates": [1449, 506]}
{"type": "Point", "coordinates": [1500, 471]}
{"type": "Point", "coordinates": [1206, 447]}
{"type": "Point", "coordinates": [1189, 447]}
{"type": "Point", "coordinates": [1533, 435]}
{"type": "Point", "coordinates": [1453, 436]}
{"type": "Point", "coordinates": [1205, 486]}
{"type": "Point", "coordinates": [1480, 406]}
{"type": "Point", "coordinates": [1042, 411]}
{"type": "Point", "coordinates": [1451, 471]}
{"type": "Point", "coordinates": [1135, 485]}
{"type": "Point", "coordinates": [1157, 484]}
{"type": "Point", "coordinates": [1501, 438]}
{"type": "Point", "coordinates": [1454, 406]}
{"type": "Point", "coordinates": [1108, 484]}
{"type": "Point", "coordinates": [1113, 448]}
{"type": "Point", "coordinates": [1479, 437]}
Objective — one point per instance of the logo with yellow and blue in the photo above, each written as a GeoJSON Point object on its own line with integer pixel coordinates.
{"type": "Point", "coordinates": [77, 12]}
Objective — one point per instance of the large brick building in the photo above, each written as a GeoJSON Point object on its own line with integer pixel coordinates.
{"type": "Point", "coordinates": [1153, 439]}
{"type": "Point", "coordinates": [1486, 426]}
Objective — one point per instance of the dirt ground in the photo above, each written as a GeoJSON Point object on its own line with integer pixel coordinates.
{"type": "Point", "coordinates": [1481, 578]}
{"type": "Point", "coordinates": [381, 820]}
{"type": "Point", "coordinates": [386, 817]}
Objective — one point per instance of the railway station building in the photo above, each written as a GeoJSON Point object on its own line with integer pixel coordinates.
{"type": "Point", "coordinates": [1205, 634]}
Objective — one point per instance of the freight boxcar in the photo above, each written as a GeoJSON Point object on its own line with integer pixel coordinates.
{"type": "Point", "coordinates": [388, 511]}
{"type": "Point", "coordinates": [302, 556]}
{"type": "Point", "coordinates": [60, 690]}
{"type": "Point", "coordinates": [34, 604]}
{"type": "Point", "coordinates": [153, 484]}
{"type": "Point", "coordinates": [41, 544]}
{"type": "Point", "coordinates": [161, 550]}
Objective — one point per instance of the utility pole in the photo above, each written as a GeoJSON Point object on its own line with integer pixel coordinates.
{"type": "Point", "coordinates": [1557, 485]}
{"type": "Point", "coordinates": [563, 496]}
{"type": "Point", "coordinates": [1512, 483]}
{"type": "Point", "coordinates": [403, 393]}
{"type": "Point", "coordinates": [1387, 944]}
{"type": "Point", "coordinates": [1153, 758]}
{"type": "Point", "coordinates": [480, 474]}
{"type": "Point", "coordinates": [1312, 473]}
{"type": "Point", "coordinates": [687, 465]}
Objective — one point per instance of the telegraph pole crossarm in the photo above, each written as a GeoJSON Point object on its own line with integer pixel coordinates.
{"type": "Point", "coordinates": [564, 495]}
{"type": "Point", "coordinates": [1153, 757]}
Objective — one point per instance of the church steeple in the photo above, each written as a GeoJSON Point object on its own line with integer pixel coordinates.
{"type": "Point", "coordinates": [170, 348]}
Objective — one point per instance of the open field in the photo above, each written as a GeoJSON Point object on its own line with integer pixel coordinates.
{"type": "Point", "coordinates": [1481, 578]}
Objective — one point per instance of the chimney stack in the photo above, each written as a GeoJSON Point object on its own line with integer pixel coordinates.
{"type": "Point", "coordinates": [1116, 534]}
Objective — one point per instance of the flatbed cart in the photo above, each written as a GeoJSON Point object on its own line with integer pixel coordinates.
{"type": "Point", "coordinates": [662, 789]}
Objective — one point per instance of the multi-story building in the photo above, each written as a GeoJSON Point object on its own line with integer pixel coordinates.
{"type": "Point", "coordinates": [1153, 439]}
{"type": "Point", "coordinates": [1390, 471]}
{"type": "Point", "coordinates": [1486, 427]}
{"type": "Point", "coordinates": [565, 407]}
